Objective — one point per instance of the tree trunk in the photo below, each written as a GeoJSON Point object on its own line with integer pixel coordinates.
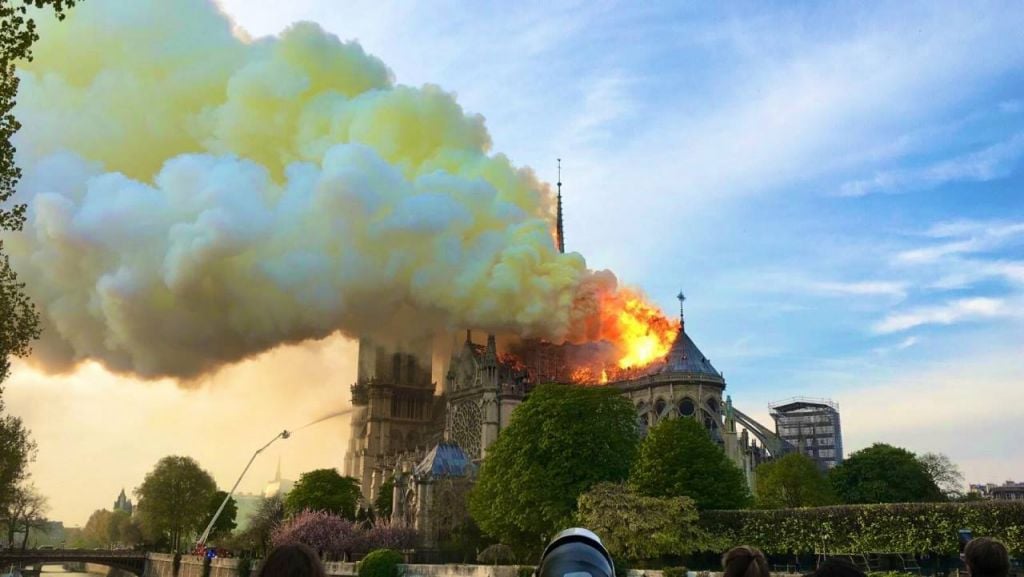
{"type": "Point", "coordinates": [24, 540]}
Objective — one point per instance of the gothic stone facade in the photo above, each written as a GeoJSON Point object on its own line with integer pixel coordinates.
{"type": "Point", "coordinates": [430, 444]}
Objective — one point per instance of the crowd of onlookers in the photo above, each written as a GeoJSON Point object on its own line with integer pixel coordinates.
{"type": "Point", "coordinates": [983, 557]}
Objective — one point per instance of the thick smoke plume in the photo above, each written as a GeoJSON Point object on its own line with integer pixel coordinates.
{"type": "Point", "coordinates": [197, 197]}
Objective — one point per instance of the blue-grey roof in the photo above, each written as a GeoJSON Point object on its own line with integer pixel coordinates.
{"type": "Point", "coordinates": [445, 460]}
{"type": "Point", "coordinates": [685, 357]}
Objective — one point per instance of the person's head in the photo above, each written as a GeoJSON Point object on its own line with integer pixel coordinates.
{"type": "Point", "coordinates": [834, 567]}
{"type": "Point", "coordinates": [292, 560]}
{"type": "Point", "coordinates": [744, 561]}
{"type": "Point", "coordinates": [986, 558]}
{"type": "Point", "coordinates": [576, 551]}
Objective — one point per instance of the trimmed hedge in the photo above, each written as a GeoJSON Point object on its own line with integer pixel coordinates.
{"type": "Point", "coordinates": [853, 529]}
{"type": "Point", "coordinates": [381, 563]}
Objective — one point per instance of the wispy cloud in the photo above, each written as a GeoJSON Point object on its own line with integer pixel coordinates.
{"type": "Point", "coordinates": [990, 163]}
{"type": "Point", "coordinates": [904, 344]}
{"type": "Point", "coordinates": [860, 288]}
{"type": "Point", "coordinates": [967, 272]}
{"type": "Point", "coordinates": [969, 237]}
{"type": "Point", "coordinates": [946, 314]}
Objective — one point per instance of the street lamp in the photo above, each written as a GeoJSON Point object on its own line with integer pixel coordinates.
{"type": "Point", "coordinates": [206, 534]}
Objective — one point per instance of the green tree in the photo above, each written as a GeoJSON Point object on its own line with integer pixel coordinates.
{"type": "Point", "coordinates": [17, 450]}
{"type": "Point", "coordinates": [110, 528]}
{"type": "Point", "coordinates": [944, 473]}
{"type": "Point", "coordinates": [382, 505]}
{"type": "Point", "coordinates": [256, 537]}
{"type": "Point", "coordinates": [174, 500]}
{"type": "Point", "coordinates": [883, 474]}
{"type": "Point", "coordinates": [324, 490]}
{"type": "Point", "coordinates": [560, 442]}
{"type": "Point", "coordinates": [678, 459]}
{"type": "Point", "coordinates": [793, 480]}
{"type": "Point", "coordinates": [98, 529]}
{"type": "Point", "coordinates": [637, 527]}
{"type": "Point", "coordinates": [24, 510]}
{"type": "Point", "coordinates": [226, 522]}
{"type": "Point", "coordinates": [19, 320]}
{"type": "Point", "coordinates": [126, 530]}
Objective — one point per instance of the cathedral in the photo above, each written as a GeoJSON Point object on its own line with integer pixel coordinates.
{"type": "Point", "coordinates": [429, 441]}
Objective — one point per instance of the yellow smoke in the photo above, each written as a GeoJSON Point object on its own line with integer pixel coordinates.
{"type": "Point", "coordinates": [197, 197]}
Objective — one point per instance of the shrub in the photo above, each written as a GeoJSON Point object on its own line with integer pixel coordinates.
{"type": "Point", "coordinates": [386, 535]}
{"type": "Point", "coordinates": [497, 554]}
{"type": "Point", "coordinates": [525, 572]}
{"type": "Point", "coordinates": [326, 533]}
{"type": "Point", "coordinates": [621, 567]}
{"type": "Point", "coordinates": [854, 529]}
{"type": "Point", "coordinates": [245, 567]}
{"type": "Point", "coordinates": [381, 563]}
{"type": "Point", "coordinates": [638, 527]}
{"type": "Point", "coordinates": [673, 572]}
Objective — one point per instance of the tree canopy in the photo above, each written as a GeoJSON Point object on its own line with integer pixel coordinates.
{"type": "Point", "coordinates": [174, 500]}
{"type": "Point", "coordinates": [256, 537]}
{"type": "Point", "coordinates": [679, 459]}
{"type": "Point", "coordinates": [19, 320]}
{"type": "Point", "coordinates": [560, 442]}
{"type": "Point", "coordinates": [110, 528]}
{"type": "Point", "coordinates": [793, 480]}
{"type": "Point", "coordinates": [637, 527]}
{"type": "Point", "coordinates": [883, 474]}
{"type": "Point", "coordinates": [324, 490]}
{"type": "Point", "coordinates": [944, 473]}
{"type": "Point", "coordinates": [226, 522]}
{"type": "Point", "coordinates": [383, 505]}
{"type": "Point", "coordinates": [24, 510]}
{"type": "Point", "coordinates": [17, 450]}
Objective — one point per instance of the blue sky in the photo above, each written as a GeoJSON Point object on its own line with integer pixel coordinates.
{"type": "Point", "coordinates": [837, 187]}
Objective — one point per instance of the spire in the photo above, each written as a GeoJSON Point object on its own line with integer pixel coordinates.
{"type": "Point", "coordinates": [558, 225]}
{"type": "Point", "coordinates": [682, 318]}
{"type": "Point", "coordinates": [277, 475]}
{"type": "Point", "coordinates": [491, 347]}
{"type": "Point", "coordinates": [469, 336]}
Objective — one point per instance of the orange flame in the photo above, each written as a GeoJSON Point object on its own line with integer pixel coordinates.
{"type": "Point", "coordinates": [639, 329]}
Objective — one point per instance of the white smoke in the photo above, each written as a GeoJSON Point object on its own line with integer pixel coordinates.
{"type": "Point", "coordinates": [197, 197]}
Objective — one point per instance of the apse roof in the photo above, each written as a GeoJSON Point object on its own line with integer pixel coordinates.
{"type": "Point", "coordinates": [685, 357]}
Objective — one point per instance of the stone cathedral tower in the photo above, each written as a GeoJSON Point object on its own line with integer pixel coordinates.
{"type": "Point", "coordinates": [395, 411]}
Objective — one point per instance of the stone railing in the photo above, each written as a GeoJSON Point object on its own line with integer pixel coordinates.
{"type": "Point", "coordinates": [161, 565]}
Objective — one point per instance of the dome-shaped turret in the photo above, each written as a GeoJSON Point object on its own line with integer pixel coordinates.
{"type": "Point", "coordinates": [684, 356]}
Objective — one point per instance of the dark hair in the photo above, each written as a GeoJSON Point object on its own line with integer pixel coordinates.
{"type": "Point", "coordinates": [744, 561]}
{"type": "Point", "coordinates": [986, 558]}
{"type": "Point", "coordinates": [292, 560]}
{"type": "Point", "coordinates": [836, 567]}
